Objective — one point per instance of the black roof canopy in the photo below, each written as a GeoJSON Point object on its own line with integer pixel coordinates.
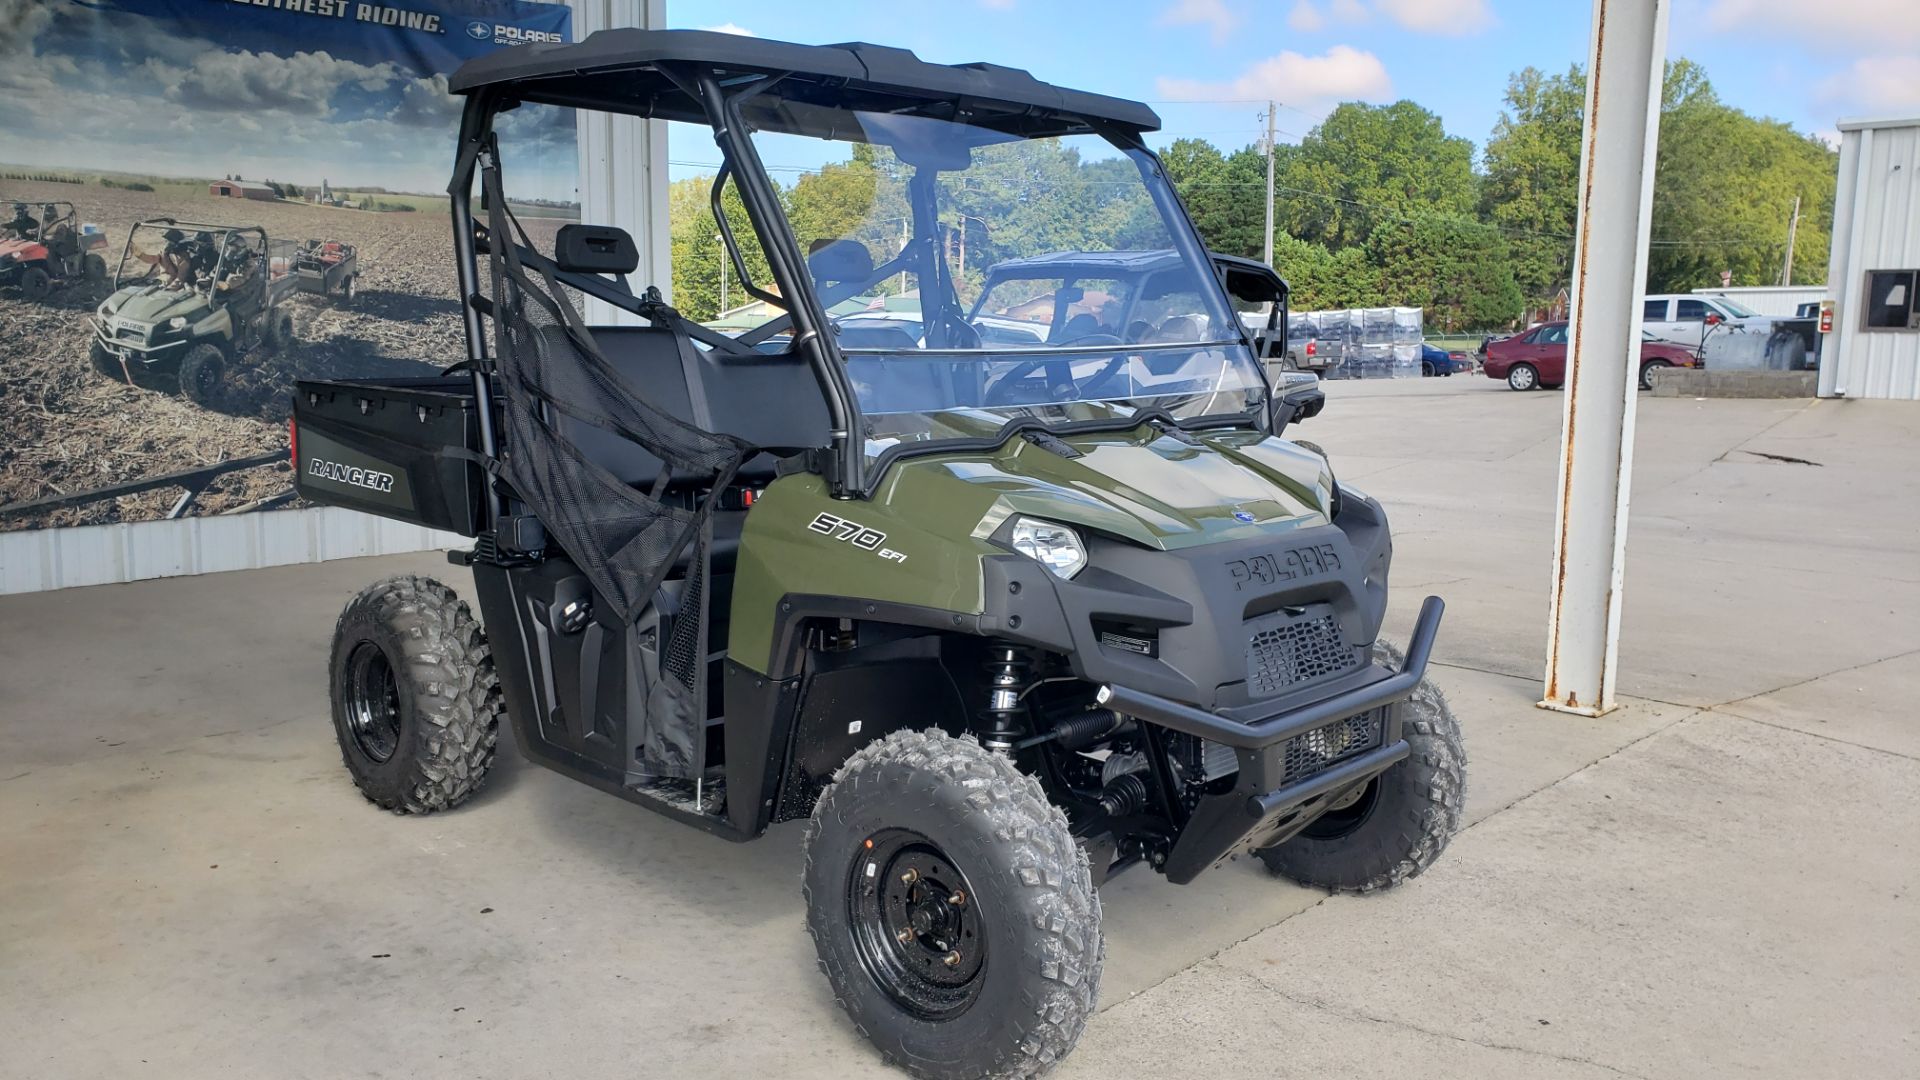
{"type": "Point", "coordinates": [618, 71]}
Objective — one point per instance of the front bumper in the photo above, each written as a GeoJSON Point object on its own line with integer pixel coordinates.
{"type": "Point", "coordinates": [1271, 800]}
{"type": "Point", "coordinates": [132, 351]}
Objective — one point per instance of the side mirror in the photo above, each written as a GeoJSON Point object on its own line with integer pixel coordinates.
{"type": "Point", "coordinates": [1713, 320]}
{"type": "Point", "coordinates": [1297, 396]}
{"type": "Point", "coordinates": [595, 249]}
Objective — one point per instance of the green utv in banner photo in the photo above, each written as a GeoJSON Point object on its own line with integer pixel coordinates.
{"type": "Point", "coordinates": [204, 201]}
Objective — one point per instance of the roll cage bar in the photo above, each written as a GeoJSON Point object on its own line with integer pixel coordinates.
{"type": "Point", "coordinates": [694, 76]}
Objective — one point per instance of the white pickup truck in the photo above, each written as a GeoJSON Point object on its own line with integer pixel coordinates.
{"type": "Point", "coordinates": [1683, 318]}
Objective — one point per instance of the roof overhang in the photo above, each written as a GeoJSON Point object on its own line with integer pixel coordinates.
{"type": "Point", "coordinates": [619, 71]}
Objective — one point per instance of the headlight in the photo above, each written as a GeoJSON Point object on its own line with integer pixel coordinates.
{"type": "Point", "coordinates": [1056, 547]}
{"type": "Point", "coordinates": [178, 322]}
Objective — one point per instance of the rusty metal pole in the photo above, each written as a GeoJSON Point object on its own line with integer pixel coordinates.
{"type": "Point", "coordinates": [1617, 156]}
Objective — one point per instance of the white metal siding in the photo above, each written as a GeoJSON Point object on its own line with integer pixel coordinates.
{"type": "Point", "coordinates": [1876, 227]}
{"type": "Point", "coordinates": [42, 559]}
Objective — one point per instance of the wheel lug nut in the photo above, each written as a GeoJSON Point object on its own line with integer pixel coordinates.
{"type": "Point", "coordinates": [958, 898]}
{"type": "Point", "coordinates": [905, 935]}
{"type": "Point", "coordinates": [910, 877]}
{"type": "Point", "coordinates": [953, 958]}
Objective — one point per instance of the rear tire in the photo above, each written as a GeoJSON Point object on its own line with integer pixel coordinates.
{"type": "Point", "coordinates": [95, 268]}
{"type": "Point", "coordinates": [1523, 377]}
{"type": "Point", "coordinates": [35, 284]}
{"type": "Point", "coordinates": [416, 705]}
{"type": "Point", "coordinates": [1402, 820]}
{"type": "Point", "coordinates": [1024, 935]}
{"type": "Point", "coordinates": [350, 290]}
{"type": "Point", "coordinates": [1427, 370]}
{"type": "Point", "coordinates": [1646, 372]}
{"type": "Point", "coordinates": [203, 375]}
{"type": "Point", "coordinates": [280, 330]}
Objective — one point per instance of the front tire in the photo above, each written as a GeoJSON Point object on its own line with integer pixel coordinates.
{"type": "Point", "coordinates": [1523, 377]}
{"type": "Point", "coordinates": [203, 375]}
{"type": "Point", "coordinates": [1402, 820]}
{"type": "Point", "coordinates": [35, 284]}
{"type": "Point", "coordinates": [953, 913]}
{"type": "Point", "coordinates": [416, 705]}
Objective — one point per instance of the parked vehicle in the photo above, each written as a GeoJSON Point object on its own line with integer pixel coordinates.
{"type": "Point", "coordinates": [187, 307]}
{"type": "Point", "coordinates": [1435, 360]}
{"type": "Point", "coordinates": [38, 253]}
{"type": "Point", "coordinates": [998, 621]}
{"type": "Point", "coordinates": [1685, 319]}
{"type": "Point", "coordinates": [328, 268]}
{"type": "Point", "coordinates": [1260, 297]}
{"type": "Point", "coordinates": [1538, 358]}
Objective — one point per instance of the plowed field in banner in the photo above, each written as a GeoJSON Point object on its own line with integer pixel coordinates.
{"type": "Point", "coordinates": [66, 429]}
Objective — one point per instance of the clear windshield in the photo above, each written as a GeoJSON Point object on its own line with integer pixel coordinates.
{"type": "Point", "coordinates": [188, 257]}
{"type": "Point", "coordinates": [973, 279]}
{"type": "Point", "coordinates": [1737, 309]}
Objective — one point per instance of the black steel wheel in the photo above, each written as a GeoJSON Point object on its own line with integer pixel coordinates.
{"type": "Point", "coordinates": [416, 705]}
{"type": "Point", "coordinates": [916, 924]}
{"type": "Point", "coordinates": [372, 702]}
{"type": "Point", "coordinates": [35, 284]}
{"type": "Point", "coordinates": [953, 912]}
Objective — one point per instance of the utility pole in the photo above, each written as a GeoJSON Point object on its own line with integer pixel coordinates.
{"type": "Point", "coordinates": [1793, 226]}
{"type": "Point", "coordinates": [1266, 238]}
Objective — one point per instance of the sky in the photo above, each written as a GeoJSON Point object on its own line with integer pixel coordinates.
{"type": "Point", "coordinates": [1207, 66]}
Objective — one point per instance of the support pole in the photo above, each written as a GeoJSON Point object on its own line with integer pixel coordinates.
{"type": "Point", "coordinates": [1625, 69]}
{"type": "Point", "coordinates": [623, 164]}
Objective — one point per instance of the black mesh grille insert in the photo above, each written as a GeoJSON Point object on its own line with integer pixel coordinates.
{"type": "Point", "coordinates": [1283, 651]}
{"type": "Point", "coordinates": [1310, 753]}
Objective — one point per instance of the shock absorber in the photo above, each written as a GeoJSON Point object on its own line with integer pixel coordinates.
{"type": "Point", "coordinates": [1007, 669]}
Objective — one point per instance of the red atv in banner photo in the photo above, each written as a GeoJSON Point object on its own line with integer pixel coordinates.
{"type": "Point", "coordinates": [40, 251]}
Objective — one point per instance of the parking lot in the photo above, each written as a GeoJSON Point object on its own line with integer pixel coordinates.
{"type": "Point", "coordinates": [1718, 879]}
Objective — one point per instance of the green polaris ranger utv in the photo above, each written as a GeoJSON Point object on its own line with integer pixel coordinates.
{"type": "Point", "coordinates": [998, 618]}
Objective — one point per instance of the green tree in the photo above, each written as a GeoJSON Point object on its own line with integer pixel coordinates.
{"type": "Point", "coordinates": [1533, 175]}
{"type": "Point", "coordinates": [697, 253]}
{"type": "Point", "coordinates": [1223, 194]}
{"type": "Point", "coordinates": [1365, 165]}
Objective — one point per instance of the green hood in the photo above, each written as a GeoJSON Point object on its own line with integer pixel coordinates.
{"type": "Point", "coordinates": [153, 304]}
{"type": "Point", "coordinates": [1144, 485]}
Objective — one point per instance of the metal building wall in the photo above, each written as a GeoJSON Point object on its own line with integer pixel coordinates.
{"type": "Point", "coordinates": [1876, 226]}
{"type": "Point", "coordinates": [623, 181]}
{"type": "Point", "coordinates": [1782, 300]}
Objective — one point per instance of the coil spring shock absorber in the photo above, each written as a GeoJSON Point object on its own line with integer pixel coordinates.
{"type": "Point", "coordinates": [1007, 669]}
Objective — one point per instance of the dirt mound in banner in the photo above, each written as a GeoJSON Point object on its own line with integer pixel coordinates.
{"type": "Point", "coordinates": [66, 429]}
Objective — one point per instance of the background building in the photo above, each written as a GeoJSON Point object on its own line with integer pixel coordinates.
{"type": "Point", "coordinates": [1873, 350]}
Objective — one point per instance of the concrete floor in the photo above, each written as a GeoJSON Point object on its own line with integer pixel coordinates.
{"type": "Point", "coordinates": [1719, 879]}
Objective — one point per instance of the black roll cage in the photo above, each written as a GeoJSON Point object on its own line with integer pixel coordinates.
{"type": "Point", "coordinates": [197, 226]}
{"type": "Point", "coordinates": [843, 462]}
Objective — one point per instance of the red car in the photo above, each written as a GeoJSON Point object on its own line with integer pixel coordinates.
{"type": "Point", "coordinates": [1538, 357]}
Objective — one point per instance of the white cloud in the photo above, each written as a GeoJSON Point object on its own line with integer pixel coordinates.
{"type": "Point", "coordinates": [1307, 83]}
{"type": "Point", "coordinates": [302, 84]}
{"type": "Point", "coordinates": [426, 103]}
{"type": "Point", "coordinates": [1883, 22]}
{"type": "Point", "coordinates": [1219, 19]}
{"type": "Point", "coordinates": [1451, 18]}
{"type": "Point", "coordinates": [730, 28]}
{"type": "Point", "coordinates": [1305, 18]}
{"type": "Point", "coordinates": [1875, 85]}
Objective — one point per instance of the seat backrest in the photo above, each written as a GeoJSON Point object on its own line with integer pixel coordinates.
{"type": "Point", "coordinates": [771, 402]}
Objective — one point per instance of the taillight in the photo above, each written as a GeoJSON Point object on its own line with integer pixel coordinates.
{"type": "Point", "coordinates": [1310, 348]}
{"type": "Point", "coordinates": [293, 444]}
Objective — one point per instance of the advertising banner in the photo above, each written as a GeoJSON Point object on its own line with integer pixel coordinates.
{"type": "Point", "coordinates": [203, 200]}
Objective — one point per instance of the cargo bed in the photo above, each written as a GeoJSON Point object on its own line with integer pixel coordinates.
{"type": "Point", "coordinates": [392, 447]}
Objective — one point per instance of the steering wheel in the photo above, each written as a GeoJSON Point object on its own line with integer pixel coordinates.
{"type": "Point", "coordinates": [1059, 372]}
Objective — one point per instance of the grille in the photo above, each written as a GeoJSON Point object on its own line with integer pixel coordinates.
{"type": "Point", "coordinates": [1311, 753]}
{"type": "Point", "coordinates": [1283, 654]}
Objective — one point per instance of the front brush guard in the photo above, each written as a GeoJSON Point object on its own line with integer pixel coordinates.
{"type": "Point", "coordinates": [1260, 811]}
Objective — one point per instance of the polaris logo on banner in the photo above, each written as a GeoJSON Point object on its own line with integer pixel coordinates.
{"type": "Point", "coordinates": [371, 479]}
{"type": "Point", "coordinates": [501, 34]}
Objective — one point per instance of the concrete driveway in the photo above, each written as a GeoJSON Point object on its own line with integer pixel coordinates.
{"type": "Point", "coordinates": [1717, 880]}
